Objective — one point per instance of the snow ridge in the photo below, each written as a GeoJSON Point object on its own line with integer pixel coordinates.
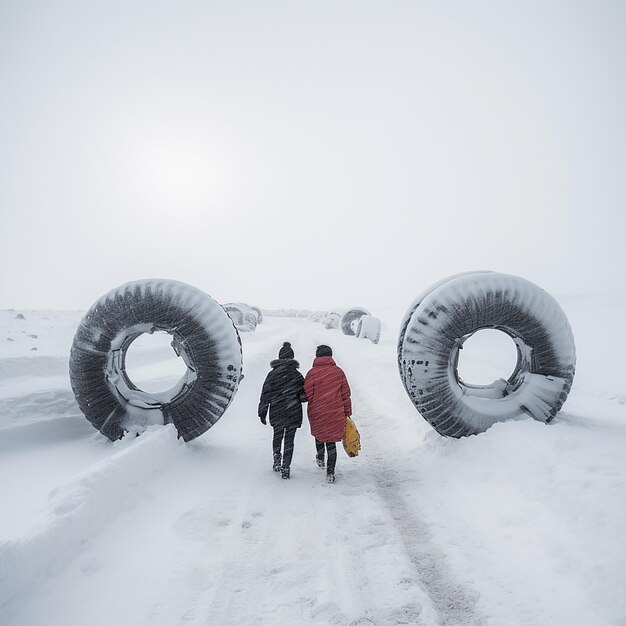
{"type": "Point", "coordinates": [78, 511]}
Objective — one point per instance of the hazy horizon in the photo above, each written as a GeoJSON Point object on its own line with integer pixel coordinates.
{"type": "Point", "coordinates": [309, 155]}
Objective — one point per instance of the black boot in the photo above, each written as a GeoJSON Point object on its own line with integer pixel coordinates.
{"type": "Point", "coordinates": [330, 478]}
{"type": "Point", "coordinates": [277, 460]}
{"type": "Point", "coordinates": [285, 473]}
{"type": "Point", "coordinates": [320, 460]}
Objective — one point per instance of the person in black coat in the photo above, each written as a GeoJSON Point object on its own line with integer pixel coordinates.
{"type": "Point", "coordinates": [283, 393]}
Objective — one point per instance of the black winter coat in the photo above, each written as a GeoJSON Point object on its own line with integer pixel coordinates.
{"type": "Point", "coordinates": [283, 393]}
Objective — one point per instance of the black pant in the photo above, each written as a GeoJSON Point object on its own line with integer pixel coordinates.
{"type": "Point", "coordinates": [289, 435]}
{"type": "Point", "coordinates": [331, 449]}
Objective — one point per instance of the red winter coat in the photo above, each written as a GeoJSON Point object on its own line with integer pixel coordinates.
{"type": "Point", "coordinates": [328, 392]}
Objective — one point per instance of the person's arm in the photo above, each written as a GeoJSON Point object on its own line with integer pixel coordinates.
{"type": "Point", "coordinates": [309, 387]}
{"type": "Point", "coordinates": [301, 393]}
{"type": "Point", "coordinates": [266, 398]}
{"type": "Point", "coordinates": [345, 395]}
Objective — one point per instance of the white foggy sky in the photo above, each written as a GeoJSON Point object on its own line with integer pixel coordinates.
{"type": "Point", "coordinates": [309, 154]}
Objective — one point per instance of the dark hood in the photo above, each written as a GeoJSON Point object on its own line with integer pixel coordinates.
{"type": "Point", "coordinates": [284, 363]}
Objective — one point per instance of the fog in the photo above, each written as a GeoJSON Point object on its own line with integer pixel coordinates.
{"type": "Point", "coordinates": [309, 154]}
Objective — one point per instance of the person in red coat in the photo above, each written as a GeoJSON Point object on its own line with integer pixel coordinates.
{"type": "Point", "coordinates": [328, 392]}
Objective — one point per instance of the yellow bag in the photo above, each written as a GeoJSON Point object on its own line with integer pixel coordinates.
{"type": "Point", "coordinates": [351, 438]}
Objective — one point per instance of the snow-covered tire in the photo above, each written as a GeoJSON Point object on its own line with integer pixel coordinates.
{"type": "Point", "coordinates": [235, 313]}
{"type": "Point", "coordinates": [444, 316]}
{"type": "Point", "coordinates": [203, 335]}
{"type": "Point", "coordinates": [317, 317]}
{"type": "Point", "coordinates": [250, 322]}
{"type": "Point", "coordinates": [332, 320]}
{"type": "Point", "coordinates": [259, 314]}
{"type": "Point", "coordinates": [350, 316]}
{"type": "Point", "coordinates": [369, 328]}
{"type": "Point", "coordinates": [243, 316]}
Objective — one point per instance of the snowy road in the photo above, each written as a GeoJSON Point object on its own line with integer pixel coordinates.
{"type": "Point", "coordinates": [501, 528]}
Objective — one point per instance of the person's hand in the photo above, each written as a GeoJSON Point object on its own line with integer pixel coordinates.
{"type": "Point", "coordinates": [264, 421]}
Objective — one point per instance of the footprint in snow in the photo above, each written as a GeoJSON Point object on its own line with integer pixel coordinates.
{"type": "Point", "coordinates": [67, 507]}
{"type": "Point", "coordinates": [328, 612]}
{"type": "Point", "coordinates": [91, 567]}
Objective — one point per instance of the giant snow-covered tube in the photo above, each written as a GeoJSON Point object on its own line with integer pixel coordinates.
{"type": "Point", "coordinates": [317, 317]}
{"type": "Point", "coordinates": [333, 319]}
{"type": "Point", "coordinates": [444, 316]}
{"type": "Point", "coordinates": [203, 335]}
{"type": "Point", "coordinates": [259, 314]}
{"type": "Point", "coordinates": [350, 318]}
{"type": "Point", "coordinates": [243, 316]}
{"type": "Point", "coordinates": [369, 328]}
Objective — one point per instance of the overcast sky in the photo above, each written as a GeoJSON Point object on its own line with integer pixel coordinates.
{"type": "Point", "coordinates": [309, 154]}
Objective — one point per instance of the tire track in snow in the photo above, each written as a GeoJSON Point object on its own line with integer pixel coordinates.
{"type": "Point", "coordinates": [373, 400]}
{"type": "Point", "coordinates": [454, 603]}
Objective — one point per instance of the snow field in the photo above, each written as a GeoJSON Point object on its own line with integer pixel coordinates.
{"type": "Point", "coordinates": [522, 524]}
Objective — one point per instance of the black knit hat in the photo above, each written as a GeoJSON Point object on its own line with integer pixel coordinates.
{"type": "Point", "coordinates": [285, 352]}
{"type": "Point", "coordinates": [324, 351]}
